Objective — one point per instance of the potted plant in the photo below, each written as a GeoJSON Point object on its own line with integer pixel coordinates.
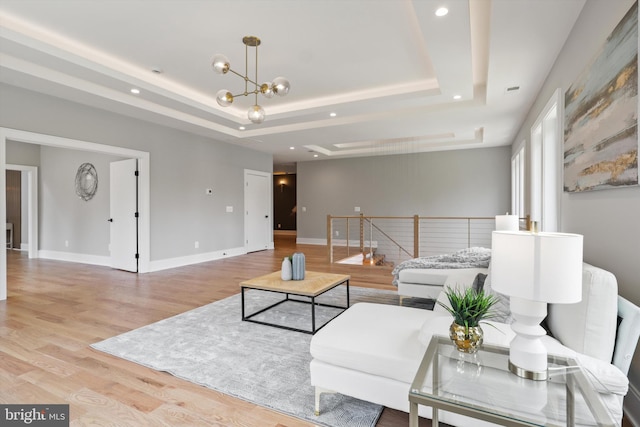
{"type": "Point", "coordinates": [468, 308]}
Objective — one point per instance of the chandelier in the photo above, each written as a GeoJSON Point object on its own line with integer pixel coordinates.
{"type": "Point", "coordinates": [279, 86]}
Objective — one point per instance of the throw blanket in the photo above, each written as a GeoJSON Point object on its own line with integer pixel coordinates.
{"type": "Point", "coordinates": [466, 258]}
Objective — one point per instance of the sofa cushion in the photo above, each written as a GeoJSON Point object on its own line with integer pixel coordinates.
{"type": "Point", "coordinates": [436, 276]}
{"type": "Point", "coordinates": [589, 326]}
{"type": "Point", "coordinates": [377, 339]}
{"type": "Point", "coordinates": [501, 310]}
{"type": "Point", "coordinates": [605, 377]}
{"type": "Point", "coordinates": [478, 282]}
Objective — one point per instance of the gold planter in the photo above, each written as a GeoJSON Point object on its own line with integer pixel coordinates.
{"type": "Point", "coordinates": [467, 340]}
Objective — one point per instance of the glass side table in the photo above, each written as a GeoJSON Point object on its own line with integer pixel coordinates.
{"type": "Point", "coordinates": [481, 386]}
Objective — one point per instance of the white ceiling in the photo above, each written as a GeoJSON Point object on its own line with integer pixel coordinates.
{"type": "Point", "coordinates": [389, 69]}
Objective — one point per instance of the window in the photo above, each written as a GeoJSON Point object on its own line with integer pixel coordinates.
{"type": "Point", "coordinates": [517, 183]}
{"type": "Point", "coordinates": [545, 166]}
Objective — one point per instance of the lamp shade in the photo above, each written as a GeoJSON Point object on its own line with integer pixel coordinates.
{"type": "Point", "coordinates": [545, 267]}
{"type": "Point", "coordinates": [507, 223]}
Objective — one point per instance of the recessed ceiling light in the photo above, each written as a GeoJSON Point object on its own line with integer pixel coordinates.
{"type": "Point", "coordinates": [135, 91]}
{"type": "Point", "coordinates": [457, 97]}
{"type": "Point", "coordinates": [242, 128]}
{"type": "Point", "coordinates": [315, 155]}
{"type": "Point", "coordinates": [292, 148]}
{"type": "Point", "coordinates": [333, 114]}
{"type": "Point", "coordinates": [442, 11]}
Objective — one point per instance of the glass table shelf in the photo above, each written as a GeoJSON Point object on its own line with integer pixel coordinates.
{"type": "Point", "coordinates": [481, 386]}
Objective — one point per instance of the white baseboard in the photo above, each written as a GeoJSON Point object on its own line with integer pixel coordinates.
{"type": "Point", "coordinates": [158, 265]}
{"type": "Point", "coordinates": [632, 405]}
{"type": "Point", "coordinates": [307, 241]}
{"type": "Point", "coordinates": [72, 257]}
{"type": "Point", "coordinates": [165, 264]}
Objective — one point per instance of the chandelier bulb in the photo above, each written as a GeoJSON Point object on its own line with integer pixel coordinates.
{"type": "Point", "coordinates": [224, 98]}
{"type": "Point", "coordinates": [256, 114]}
{"type": "Point", "coordinates": [266, 91]}
{"type": "Point", "coordinates": [280, 86]}
{"type": "Point", "coordinates": [220, 64]}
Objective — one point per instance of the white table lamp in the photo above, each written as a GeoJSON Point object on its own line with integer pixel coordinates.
{"type": "Point", "coordinates": [534, 269]}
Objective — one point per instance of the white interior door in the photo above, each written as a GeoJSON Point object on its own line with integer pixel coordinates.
{"type": "Point", "coordinates": [124, 215]}
{"type": "Point", "coordinates": [257, 206]}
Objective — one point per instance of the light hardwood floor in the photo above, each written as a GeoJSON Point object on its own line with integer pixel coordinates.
{"type": "Point", "coordinates": [55, 310]}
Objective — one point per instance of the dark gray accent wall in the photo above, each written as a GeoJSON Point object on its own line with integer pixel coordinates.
{"type": "Point", "coordinates": [447, 183]}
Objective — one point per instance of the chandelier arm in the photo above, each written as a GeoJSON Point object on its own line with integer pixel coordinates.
{"type": "Point", "coordinates": [246, 68]}
{"type": "Point", "coordinates": [246, 94]}
{"type": "Point", "coordinates": [236, 73]}
{"type": "Point", "coordinates": [245, 78]}
{"type": "Point", "coordinates": [256, 84]}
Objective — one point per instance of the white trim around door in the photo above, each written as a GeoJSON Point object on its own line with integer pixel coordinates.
{"type": "Point", "coordinates": [7, 134]}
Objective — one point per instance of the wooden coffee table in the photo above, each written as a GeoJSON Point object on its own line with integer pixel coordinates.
{"type": "Point", "coordinates": [313, 285]}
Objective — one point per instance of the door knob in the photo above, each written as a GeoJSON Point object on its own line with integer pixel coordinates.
{"type": "Point", "coordinates": [110, 220]}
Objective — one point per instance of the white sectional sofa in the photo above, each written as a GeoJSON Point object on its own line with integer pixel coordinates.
{"type": "Point", "coordinates": [425, 277]}
{"type": "Point", "coordinates": [372, 351]}
{"type": "Point", "coordinates": [429, 282]}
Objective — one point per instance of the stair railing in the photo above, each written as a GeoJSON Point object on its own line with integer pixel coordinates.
{"type": "Point", "coordinates": [411, 236]}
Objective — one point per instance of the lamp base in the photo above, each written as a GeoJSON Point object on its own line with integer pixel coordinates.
{"type": "Point", "coordinates": [530, 375]}
{"type": "Point", "coordinates": [527, 352]}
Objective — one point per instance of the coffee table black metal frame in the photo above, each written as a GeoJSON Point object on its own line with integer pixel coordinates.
{"type": "Point", "coordinates": [311, 300]}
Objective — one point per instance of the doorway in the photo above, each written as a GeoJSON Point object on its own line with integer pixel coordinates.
{"type": "Point", "coordinates": [14, 209]}
{"type": "Point", "coordinates": [123, 215]}
{"type": "Point", "coordinates": [284, 204]}
{"type": "Point", "coordinates": [7, 134]}
{"type": "Point", "coordinates": [257, 205]}
{"type": "Point", "coordinates": [29, 182]}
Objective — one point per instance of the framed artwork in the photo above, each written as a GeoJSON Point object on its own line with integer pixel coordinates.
{"type": "Point", "coordinates": [86, 181]}
{"type": "Point", "coordinates": [601, 115]}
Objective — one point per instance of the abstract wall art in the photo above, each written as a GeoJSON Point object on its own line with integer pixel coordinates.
{"type": "Point", "coordinates": [601, 115]}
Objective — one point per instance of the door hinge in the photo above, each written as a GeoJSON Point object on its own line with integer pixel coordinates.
{"type": "Point", "coordinates": [136, 173]}
{"type": "Point", "coordinates": [137, 256]}
{"type": "Point", "coordinates": [137, 214]}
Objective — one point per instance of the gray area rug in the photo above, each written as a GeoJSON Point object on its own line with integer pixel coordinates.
{"type": "Point", "coordinates": [211, 346]}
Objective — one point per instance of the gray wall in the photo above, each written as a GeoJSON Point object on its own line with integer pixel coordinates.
{"type": "Point", "coordinates": [447, 183]}
{"type": "Point", "coordinates": [22, 154]}
{"type": "Point", "coordinates": [66, 222]}
{"type": "Point", "coordinates": [608, 219]}
{"type": "Point", "coordinates": [183, 165]}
